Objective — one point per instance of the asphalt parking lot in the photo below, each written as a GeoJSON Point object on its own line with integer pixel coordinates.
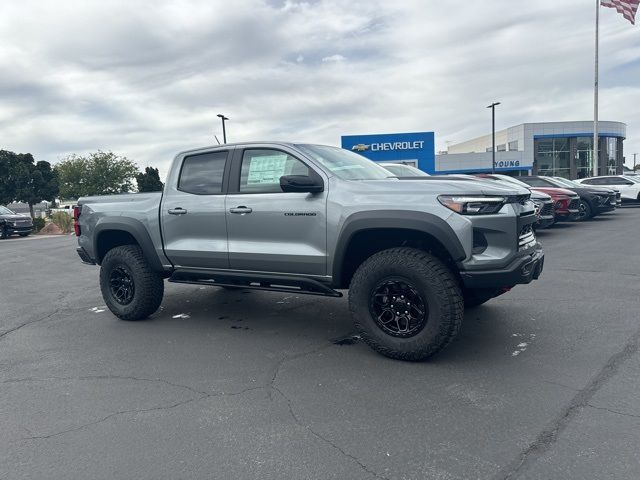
{"type": "Point", "coordinates": [543, 382]}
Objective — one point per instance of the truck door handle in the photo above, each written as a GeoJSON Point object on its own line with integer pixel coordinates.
{"type": "Point", "coordinates": [241, 210]}
{"type": "Point", "coordinates": [177, 211]}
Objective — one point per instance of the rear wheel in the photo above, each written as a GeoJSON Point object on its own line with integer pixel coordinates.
{"type": "Point", "coordinates": [405, 303]}
{"type": "Point", "coordinates": [584, 211]}
{"type": "Point", "coordinates": [130, 288]}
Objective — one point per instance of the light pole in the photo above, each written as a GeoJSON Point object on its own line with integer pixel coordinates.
{"type": "Point", "coordinates": [634, 162]}
{"type": "Point", "coordinates": [493, 135]}
{"type": "Point", "coordinates": [224, 132]}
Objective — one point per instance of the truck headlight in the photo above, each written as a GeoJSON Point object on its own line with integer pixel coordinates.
{"type": "Point", "coordinates": [472, 205]}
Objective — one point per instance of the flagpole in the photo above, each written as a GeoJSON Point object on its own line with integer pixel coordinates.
{"type": "Point", "coordinates": [595, 98]}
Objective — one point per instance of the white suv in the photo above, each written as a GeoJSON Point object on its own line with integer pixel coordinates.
{"type": "Point", "coordinates": [629, 187]}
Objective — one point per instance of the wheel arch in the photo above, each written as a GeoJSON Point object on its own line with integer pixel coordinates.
{"type": "Point", "coordinates": [367, 233]}
{"type": "Point", "coordinates": [125, 231]}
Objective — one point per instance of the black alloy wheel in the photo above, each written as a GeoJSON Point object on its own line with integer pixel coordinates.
{"type": "Point", "coordinates": [584, 211]}
{"type": "Point", "coordinates": [121, 285]}
{"type": "Point", "coordinates": [397, 308]}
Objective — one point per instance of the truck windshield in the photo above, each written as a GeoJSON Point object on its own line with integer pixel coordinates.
{"type": "Point", "coordinates": [5, 211]}
{"type": "Point", "coordinates": [345, 164]}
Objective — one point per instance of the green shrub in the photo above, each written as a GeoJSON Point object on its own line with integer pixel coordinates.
{"type": "Point", "coordinates": [62, 220]}
{"type": "Point", "coordinates": [38, 224]}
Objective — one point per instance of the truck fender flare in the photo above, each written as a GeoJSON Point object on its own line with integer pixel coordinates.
{"type": "Point", "coordinates": [137, 230]}
{"type": "Point", "coordinates": [400, 219]}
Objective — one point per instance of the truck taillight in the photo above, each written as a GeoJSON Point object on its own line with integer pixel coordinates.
{"type": "Point", "coordinates": [76, 216]}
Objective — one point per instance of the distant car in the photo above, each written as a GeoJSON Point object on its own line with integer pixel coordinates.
{"type": "Point", "coordinates": [565, 202]}
{"type": "Point", "coordinates": [360, 147]}
{"type": "Point", "coordinates": [12, 222]}
{"type": "Point", "coordinates": [573, 183]}
{"type": "Point", "coordinates": [629, 186]}
{"type": "Point", "coordinates": [593, 201]}
{"type": "Point", "coordinates": [544, 203]}
{"type": "Point", "coordinates": [401, 170]}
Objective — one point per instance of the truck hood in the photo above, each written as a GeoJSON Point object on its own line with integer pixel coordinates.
{"type": "Point", "coordinates": [441, 186]}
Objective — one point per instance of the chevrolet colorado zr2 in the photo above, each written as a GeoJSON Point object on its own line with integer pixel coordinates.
{"type": "Point", "coordinates": [315, 219]}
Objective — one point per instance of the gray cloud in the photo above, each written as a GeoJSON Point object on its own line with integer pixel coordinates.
{"type": "Point", "coordinates": [146, 79]}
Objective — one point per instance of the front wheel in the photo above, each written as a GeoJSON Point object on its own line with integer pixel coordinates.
{"type": "Point", "coordinates": [130, 288]}
{"type": "Point", "coordinates": [405, 303]}
{"type": "Point", "coordinates": [3, 232]}
{"type": "Point", "coordinates": [584, 211]}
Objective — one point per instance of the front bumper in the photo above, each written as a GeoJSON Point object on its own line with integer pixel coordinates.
{"type": "Point", "coordinates": [523, 269]}
{"type": "Point", "coordinates": [18, 229]}
{"type": "Point", "coordinates": [605, 208]}
{"type": "Point", "coordinates": [545, 221]}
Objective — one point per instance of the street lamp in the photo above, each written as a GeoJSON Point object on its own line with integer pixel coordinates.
{"type": "Point", "coordinates": [493, 135]}
{"type": "Point", "coordinates": [224, 132]}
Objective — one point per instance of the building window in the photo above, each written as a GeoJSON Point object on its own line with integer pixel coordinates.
{"type": "Point", "coordinates": [501, 148]}
{"type": "Point", "coordinates": [584, 157]}
{"type": "Point", "coordinates": [553, 157]}
{"type": "Point", "coordinates": [513, 146]}
{"type": "Point", "coordinates": [612, 150]}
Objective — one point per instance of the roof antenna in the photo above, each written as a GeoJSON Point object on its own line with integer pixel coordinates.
{"type": "Point", "coordinates": [216, 137]}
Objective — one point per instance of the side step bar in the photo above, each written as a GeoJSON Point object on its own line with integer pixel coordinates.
{"type": "Point", "coordinates": [275, 283]}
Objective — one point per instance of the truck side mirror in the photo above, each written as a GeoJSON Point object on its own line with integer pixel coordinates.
{"type": "Point", "coordinates": [301, 183]}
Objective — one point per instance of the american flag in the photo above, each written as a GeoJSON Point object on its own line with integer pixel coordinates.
{"type": "Point", "coordinates": [627, 8]}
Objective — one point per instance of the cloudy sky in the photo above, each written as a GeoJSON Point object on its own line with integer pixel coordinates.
{"type": "Point", "coordinates": [147, 78]}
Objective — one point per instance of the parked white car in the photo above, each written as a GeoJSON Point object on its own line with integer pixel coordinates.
{"type": "Point", "coordinates": [629, 186]}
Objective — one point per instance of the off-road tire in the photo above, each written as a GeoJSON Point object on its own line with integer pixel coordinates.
{"type": "Point", "coordinates": [148, 284]}
{"type": "Point", "coordinates": [3, 232]}
{"type": "Point", "coordinates": [432, 280]}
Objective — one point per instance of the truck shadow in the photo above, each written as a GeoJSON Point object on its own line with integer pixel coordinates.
{"type": "Point", "coordinates": [292, 318]}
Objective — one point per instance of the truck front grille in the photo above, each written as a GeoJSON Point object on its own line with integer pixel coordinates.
{"type": "Point", "coordinates": [547, 209]}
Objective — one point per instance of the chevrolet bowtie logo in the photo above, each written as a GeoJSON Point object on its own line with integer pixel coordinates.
{"type": "Point", "coordinates": [360, 147]}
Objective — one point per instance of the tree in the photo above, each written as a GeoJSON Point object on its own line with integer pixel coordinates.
{"type": "Point", "coordinates": [99, 173]}
{"type": "Point", "coordinates": [23, 180]}
{"type": "Point", "coordinates": [8, 161]}
{"type": "Point", "coordinates": [149, 180]}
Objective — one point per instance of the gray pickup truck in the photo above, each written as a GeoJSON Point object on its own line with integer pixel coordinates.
{"type": "Point", "coordinates": [316, 219]}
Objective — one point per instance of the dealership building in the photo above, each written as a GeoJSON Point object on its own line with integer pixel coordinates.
{"type": "Point", "coordinates": [550, 148]}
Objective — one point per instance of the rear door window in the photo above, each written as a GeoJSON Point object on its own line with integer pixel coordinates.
{"type": "Point", "coordinates": [202, 174]}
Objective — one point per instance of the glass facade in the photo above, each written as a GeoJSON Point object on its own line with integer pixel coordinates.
{"type": "Point", "coordinates": [552, 156]}
{"type": "Point", "coordinates": [572, 157]}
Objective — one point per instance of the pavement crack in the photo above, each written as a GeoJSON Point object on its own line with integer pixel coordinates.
{"type": "Point", "coordinates": [325, 440]}
{"type": "Point", "coordinates": [18, 327]}
{"type": "Point", "coordinates": [288, 358]}
{"type": "Point", "coordinates": [201, 396]}
{"type": "Point", "coordinates": [613, 411]}
{"type": "Point", "coordinates": [547, 437]}
{"type": "Point", "coordinates": [111, 415]}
